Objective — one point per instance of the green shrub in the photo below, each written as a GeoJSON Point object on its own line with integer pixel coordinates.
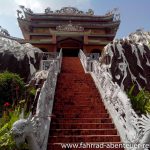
{"type": "Point", "coordinates": [140, 102]}
{"type": "Point", "coordinates": [11, 87]}
{"type": "Point", "coordinates": [6, 140]}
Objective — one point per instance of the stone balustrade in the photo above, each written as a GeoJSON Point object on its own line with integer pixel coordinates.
{"type": "Point", "coordinates": [35, 129]}
{"type": "Point", "coordinates": [134, 130]}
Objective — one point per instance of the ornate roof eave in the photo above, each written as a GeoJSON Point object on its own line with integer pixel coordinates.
{"type": "Point", "coordinates": [24, 20]}
{"type": "Point", "coordinates": [46, 24]}
{"type": "Point", "coordinates": [115, 22]}
{"type": "Point", "coordinates": [23, 23]}
{"type": "Point", "coordinates": [25, 27]}
{"type": "Point", "coordinates": [81, 33]}
{"type": "Point", "coordinates": [65, 11]}
{"type": "Point", "coordinates": [24, 13]}
{"type": "Point", "coordinates": [45, 16]}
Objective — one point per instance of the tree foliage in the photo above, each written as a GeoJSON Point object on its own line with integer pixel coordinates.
{"type": "Point", "coordinates": [11, 87]}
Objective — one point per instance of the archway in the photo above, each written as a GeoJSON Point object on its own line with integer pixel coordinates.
{"type": "Point", "coordinates": [70, 47]}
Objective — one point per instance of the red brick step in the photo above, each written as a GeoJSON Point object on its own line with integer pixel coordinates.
{"type": "Point", "coordinates": [87, 138]}
{"type": "Point", "coordinates": [57, 132]}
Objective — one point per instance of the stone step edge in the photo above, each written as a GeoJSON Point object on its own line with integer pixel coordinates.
{"type": "Point", "coordinates": [63, 136]}
{"type": "Point", "coordinates": [86, 142]}
{"type": "Point", "coordinates": [81, 119]}
{"type": "Point", "coordinates": [84, 129]}
{"type": "Point", "coordinates": [84, 123]}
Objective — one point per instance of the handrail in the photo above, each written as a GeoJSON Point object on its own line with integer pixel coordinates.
{"type": "Point", "coordinates": [83, 59]}
{"type": "Point", "coordinates": [132, 128]}
{"type": "Point", "coordinates": [36, 128]}
{"type": "Point", "coordinates": [46, 63]}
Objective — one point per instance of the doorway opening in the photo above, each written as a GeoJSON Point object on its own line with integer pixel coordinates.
{"type": "Point", "coordinates": [70, 47]}
{"type": "Point", "coordinates": [70, 52]}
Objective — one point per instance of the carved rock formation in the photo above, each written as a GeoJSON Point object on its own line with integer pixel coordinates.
{"type": "Point", "coordinates": [23, 59]}
{"type": "Point", "coordinates": [129, 61]}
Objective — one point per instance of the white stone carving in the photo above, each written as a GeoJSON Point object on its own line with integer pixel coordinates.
{"type": "Point", "coordinates": [36, 128]}
{"type": "Point", "coordinates": [132, 128]}
{"type": "Point", "coordinates": [83, 60]}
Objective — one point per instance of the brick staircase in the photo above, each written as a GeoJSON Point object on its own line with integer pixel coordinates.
{"type": "Point", "coordinates": [79, 115]}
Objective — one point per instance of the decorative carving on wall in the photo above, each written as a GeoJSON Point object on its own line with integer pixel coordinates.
{"type": "Point", "coordinates": [4, 32]}
{"type": "Point", "coordinates": [70, 28]}
{"type": "Point", "coordinates": [69, 11]}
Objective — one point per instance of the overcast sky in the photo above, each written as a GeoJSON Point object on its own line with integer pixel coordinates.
{"type": "Point", "coordinates": [135, 14]}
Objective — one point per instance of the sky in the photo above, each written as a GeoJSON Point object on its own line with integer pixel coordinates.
{"type": "Point", "coordinates": [135, 14]}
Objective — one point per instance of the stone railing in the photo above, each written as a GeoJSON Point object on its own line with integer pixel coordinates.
{"type": "Point", "coordinates": [48, 58]}
{"type": "Point", "coordinates": [35, 129]}
{"type": "Point", "coordinates": [134, 130]}
{"type": "Point", "coordinates": [49, 55]}
{"type": "Point", "coordinates": [86, 61]}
